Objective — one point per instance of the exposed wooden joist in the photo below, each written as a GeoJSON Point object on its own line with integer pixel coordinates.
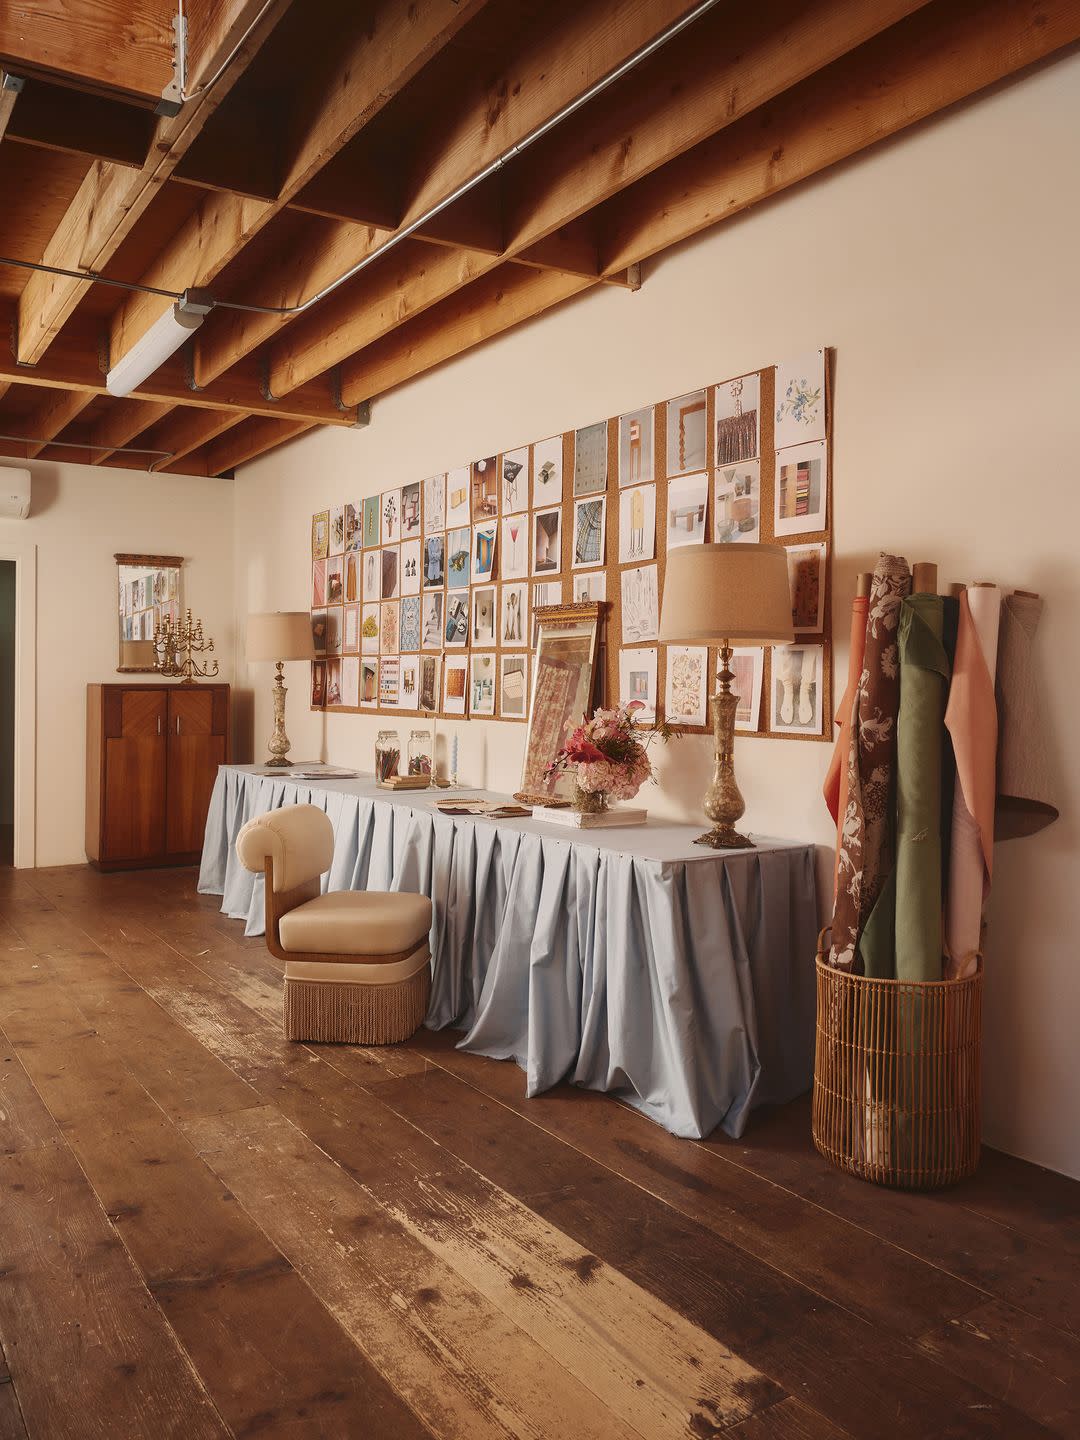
{"type": "Point", "coordinates": [110, 201]}
{"type": "Point", "coordinates": [939, 56]}
{"type": "Point", "coordinates": [124, 45]}
{"type": "Point", "coordinates": [186, 431]}
{"type": "Point", "coordinates": [247, 440]}
{"type": "Point", "coordinates": [48, 420]}
{"type": "Point", "coordinates": [361, 73]}
{"type": "Point", "coordinates": [122, 422]}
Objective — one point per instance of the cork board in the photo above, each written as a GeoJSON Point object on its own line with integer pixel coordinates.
{"type": "Point", "coordinates": [611, 631]}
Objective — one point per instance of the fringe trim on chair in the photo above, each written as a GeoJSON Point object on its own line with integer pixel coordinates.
{"type": "Point", "coordinates": [356, 1014]}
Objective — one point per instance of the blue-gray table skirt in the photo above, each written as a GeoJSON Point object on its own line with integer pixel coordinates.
{"type": "Point", "coordinates": [628, 961]}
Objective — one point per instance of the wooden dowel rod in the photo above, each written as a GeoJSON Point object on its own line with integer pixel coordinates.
{"type": "Point", "coordinates": [956, 589]}
{"type": "Point", "coordinates": [924, 578]}
{"type": "Point", "coordinates": [862, 584]}
{"type": "Point", "coordinates": [1027, 594]}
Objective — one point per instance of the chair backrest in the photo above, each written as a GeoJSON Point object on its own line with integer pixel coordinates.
{"type": "Point", "coordinates": [297, 840]}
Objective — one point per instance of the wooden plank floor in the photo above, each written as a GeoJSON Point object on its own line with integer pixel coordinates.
{"type": "Point", "coordinates": [206, 1231]}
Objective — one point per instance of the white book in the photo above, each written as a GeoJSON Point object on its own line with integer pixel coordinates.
{"type": "Point", "coordinates": [601, 819]}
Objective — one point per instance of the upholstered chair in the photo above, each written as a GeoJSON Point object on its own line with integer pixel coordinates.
{"type": "Point", "coordinates": [357, 963]}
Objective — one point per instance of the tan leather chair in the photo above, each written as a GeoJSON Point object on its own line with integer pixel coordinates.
{"type": "Point", "coordinates": [357, 962]}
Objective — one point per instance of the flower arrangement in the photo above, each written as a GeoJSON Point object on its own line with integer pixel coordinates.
{"type": "Point", "coordinates": [607, 755]}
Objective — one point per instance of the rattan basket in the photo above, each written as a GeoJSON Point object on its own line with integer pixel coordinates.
{"type": "Point", "coordinates": [896, 1076]}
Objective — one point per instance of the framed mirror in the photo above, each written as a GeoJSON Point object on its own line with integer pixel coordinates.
{"type": "Point", "coordinates": [564, 673]}
{"type": "Point", "coordinates": [149, 589]}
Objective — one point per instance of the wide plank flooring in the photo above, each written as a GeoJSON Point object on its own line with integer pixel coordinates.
{"type": "Point", "coordinates": [208, 1231]}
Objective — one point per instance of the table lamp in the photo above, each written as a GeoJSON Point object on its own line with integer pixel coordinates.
{"type": "Point", "coordinates": [713, 595]}
{"type": "Point", "coordinates": [281, 635]}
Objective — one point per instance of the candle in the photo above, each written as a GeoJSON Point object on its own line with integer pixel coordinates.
{"type": "Point", "coordinates": [453, 761]}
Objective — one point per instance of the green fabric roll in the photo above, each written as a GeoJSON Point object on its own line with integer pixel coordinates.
{"type": "Point", "coordinates": [924, 682]}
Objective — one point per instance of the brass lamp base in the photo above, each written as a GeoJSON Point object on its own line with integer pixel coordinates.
{"type": "Point", "coordinates": [279, 744]}
{"type": "Point", "coordinates": [724, 837]}
{"type": "Point", "coordinates": [724, 803]}
{"type": "Point", "coordinates": [278, 761]}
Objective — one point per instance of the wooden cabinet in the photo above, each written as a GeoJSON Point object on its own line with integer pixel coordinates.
{"type": "Point", "coordinates": [152, 755]}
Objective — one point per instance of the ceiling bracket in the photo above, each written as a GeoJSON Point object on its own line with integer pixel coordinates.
{"type": "Point", "coordinates": [172, 97]}
{"type": "Point", "coordinates": [188, 356]}
{"type": "Point", "coordinates": [264, 380]}
{"type": "Point", "coordinates": [13, 84]}
{"type": "Point", "coordinates": [633, 275]}
{"type": "Point", "coordinates": [361, 413]}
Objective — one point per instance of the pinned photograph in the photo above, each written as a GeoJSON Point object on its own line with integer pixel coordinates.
{"type": "Point", "coordinates": [409, 637]}
{"type": "Point", "coordinates": [687, 677]}
{"type": "Point", "coordinates": [514, 619]}
{"type": "Point", "coordinates": [636, 447]}
{"type": "Point", "coordinates": [795, 703]}
{"type": "Point", "coordinates": [482, 690]}
{"type": "Point", "coordinates": [372, 587]}
{"type": "Point", "coordinates": [335, 580]}
{"type": "Point", "coordinates": [455, 684]}
{"type": "Point", "coordinates": [590, 458]}
{"type": "Point", "coordinates": [333, 682]}
{"type": "Point", "coordinates": [483, 615]}
{"type": "Point", "coordinates": [458, 512]}
{"type": "Point", "coordinates": [547, 471]}
{"type": "Point", "coordinates": [801, 487]}
{"type": "Point", "coordinates": [513, 686]}
{"type": "Point", "coordinates": [687, 450]}
{"type": "Point", "coordinates": [547, 542]}
{"type": "Point", "coordinates": [589, 528]}
{"type": "Point", "coordinates": [515, 481]}
{"type": "Point", "coordinates": [637, 681]}
{"type": "Point", "coordinates": [318, 684]}
{"type": "Point", "coordinates": [410, 511]}
{"type": "Point", "coordinates": [372, 521]}
{"type": "Point", "coordinates": [334, 627]}
{"type": "Point", "coordinates": [483, 555]}
{"type": "Point", "coordinates": [320, 535]}
{"type": "Point", "coordinates": [806, 576]}
{"type": "Point", "coordinates": [318, 631]}
{"type": "Point", "coordinates": [391, 572]}
{"type": "Point", "coordinates": [389, 625]}
{"type": "Point", "coordinates": [429, 682]}
{"type": "Point", "coordinates": [485, 488]}
{"type": "Point", "coordinates": [456, 629]}
{"type": "Point", "coordinates": [409, 683]}
{"type": "Point", "coordinates": [589, 589]}
{"type": "Point", "coordinates": [390, 514]}
{"type": "Point", "coordinates": [434, 504]}
{"type": "Point", "coordinates": [354, 536]}
{"type": "Point", "coordinates": [388, 682]}
{"type": "Point", "coordinates": [369, 682]}
{"type": "Point", "coordinates": [458, 558]}
{"type": "Point", "coordinates": [549, 593]}
{"type": "Point", "coordinates": [434, 561]}
{"type": "Point", "coordinates": [737, 504]}
{"type": "Point", "coordinates": [514, 547]}
{"type": "Point", "coordinates": [748, 667]}
{"type": "Point", "coordinates": [369, 630]}
{"type": "Point", "coordinates": [318, 584]}
{"type": "Point", "coordinates": [800, 400]}
{"type": "Point", "coordinates": [350, 639]}
{"type": "Point", "coordinates": [737, 409]}
{"type": "Point", "coordinates": [352, 576]}
{"type": "Point", "coordinates": [640, 607]}
{"type": "Point", "coordinates": [637, 524]}
{"type": "Point", "coordinates": [350, 681]}
{"type": "Point", "coordinates": [687, 499]}
{"type": "Point", "coordinates": [410, 567]}
{"type": "Point", "coordinates": [431, 613]}
{"type": "Point", "coordinates": [337, 530]}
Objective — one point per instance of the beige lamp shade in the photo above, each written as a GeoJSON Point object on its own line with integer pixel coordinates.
{"type": "Point", "coordinates": [729, 592]}
{"type": "Point", "coordinates": [280, 635]}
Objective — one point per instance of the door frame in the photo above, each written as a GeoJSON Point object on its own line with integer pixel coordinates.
{"type": "Point", "coordinates": [24, 554]}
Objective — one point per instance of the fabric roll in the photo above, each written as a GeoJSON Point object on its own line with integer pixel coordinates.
{"type": "Point", "coordinates": [866, 829]}
{"type": "Point", "coordinates": [1026, 789]}
{"type": "Point", "coordinates": [971, 720]}
{"type": "Point", "coordinates": [835, 787]}
{"type": "Point", "coordinates": [924, 679]}
{"type": "Point", "coordinates": [950, 628]}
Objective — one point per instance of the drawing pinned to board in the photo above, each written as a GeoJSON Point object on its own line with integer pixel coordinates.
{"type": "Point", "coordinates": [547, 471]}
{"type": "Point", "coordinates": [455, 684]}
{"type": "Point", "coordinates": [410, 511]}
{"type": "Point", "coordinates": [686, 447]}
{"type": "Point", "coordinates": [389, 669]}
{"type": "Point", "coordinates": [515, 481]}
{"type": "Point", "coordinates": [806, 576]}
{"type": "Point", "coordinates": [391, 516]}
{"type": "Point", "coordinates": [795, 703]}
{"type": "Point", "coordinates": [350, 681]}
{"type": "Point", "coordinates": [458, 558]}
{"type": "Point", "coordinates": [456, 629]}
{"type": "Point", "coordinates": [514, 552]}
{"type": "Point", "coordinates": [547, 542]}
{"type": "Point", "coordinates": [337, 530]}
{"type": "Point", "coordinates": [372, 521]}
{"type": "Point", "coordinates": [369, 629]}
{"type": "Point", "coordinates": [588, 589]}
{"type": "Point", "coordinates": [318, 584]}
{"type": "Point", "coordinates": [514, 619]}
{"type": "Point", "coordinates": [483, 550]}
{"type": "Point", "coordinates": [458, 509]}
{"type": "Point", "coordinates": [636, 447]}
{"type": "Point", "coordinates": [589, 525]}
{"type": "Point", "coordinates": [482, 691]}
{"type": "Point", "coordinates": [335, 580]}
{"type": "Point", "coordinates": [350, 637]}
{"type": "Point", "coordinates": [687, 499]}
{"type": "Point", "coordinates": [737, 504]}
{"type": "Point", "coordinates": [352, 576]}
{"type": "Point", "coordinates": [320, 535]}
{"type": "Point", "coordinates": [434, 562]}
{"type": "Point", "coordinates": [637, 524]}
{"type": "Point", "coordinates": [372, 573]}
{"type": "Point", "coordinates": [390, 628]}
{"type": "Point", "coordinates": [431, 626]}
{"type": "Point", "coordinates": [409, 637]}
{"type": "Point", "coordinates": [590, 458]}
{"type": "Point", "coordinates": [513, 686]}
{"type": "Point", "coordinates": [800, 400]}
{"type": "Point", "coordinates": [801, 488]}
{"type": "Point", "coordinates": [410, 567]}
{"type": "Point", "coordinates": [391, 572]}
{"type": "Point", "coordinates": [640, 608]}
{"type": "Point", "coordinates": [485, 488]}
{"type": "Point", "coordinates": [434, 504]}
{"type": "Point", "coordinates": [737, 405]}
{"type": "Point", "coordinates": [748, 668]}
{"type": "Point", "coordinates": [550, 592]}
{"type": "Point", "coordinates": [687, 671]}
{"type": "Point", "coordinates": [409, 682]}
{"type": "Point", "coordinates": [369, 683]}
{"type": "Point", "coordinates": [354, 537]}
{"type": "Point", "coordinates": [637, 682]}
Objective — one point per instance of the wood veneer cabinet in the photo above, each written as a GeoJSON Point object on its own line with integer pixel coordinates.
{"type": "Point", "coordinates": [152, 755]}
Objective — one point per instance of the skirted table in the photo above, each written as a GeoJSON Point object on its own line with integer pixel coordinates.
{"type": "Point", "coordinates": [626, 960]}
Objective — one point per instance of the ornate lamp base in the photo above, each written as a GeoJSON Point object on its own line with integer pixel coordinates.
{"type": "Point", "coordinates": [280, 744]}
{"type": "Point", "coordinates": [723, 800]}
{"type": "Point", "coordinates": [724, 837]}
{"type": "Point", "coordinates": [279, 761]}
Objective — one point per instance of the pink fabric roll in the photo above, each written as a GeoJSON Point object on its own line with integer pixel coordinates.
{"type": "Point", "coordinates": [971, 719]}
{"type": "Point", "coordinates": [835, 788]}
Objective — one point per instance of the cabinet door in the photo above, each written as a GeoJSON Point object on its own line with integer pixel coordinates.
{"type": "Point", "coordinates": [195, 752]}
{"type": "Point", "coordinates": [134, 821]}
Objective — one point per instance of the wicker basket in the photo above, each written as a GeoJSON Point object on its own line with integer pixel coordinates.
{"type": "Point", "coordinates": [896, 1076]}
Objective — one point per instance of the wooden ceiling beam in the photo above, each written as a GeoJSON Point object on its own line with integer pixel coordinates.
{"type": "Point", "coordinates": [73, 122]}
{"type": "Point", "coordinates": [362, 72]}
{"type": "Point", "coordinates": [112, 198]}
{"type": "Point", "coordinates": [939, 56]}
{"type": "Point", "coordinates": [50, 418]}
{"type": "Point", "coordinates": [123, 45]}
{"type": "Point", "coordinates": [122, 423]}
{"type": "Point", "coordinates": [186, 431]}
{"type": "Point", "coordinates": [248, 440]}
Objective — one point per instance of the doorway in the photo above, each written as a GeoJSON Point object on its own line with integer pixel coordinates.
{"type": "Point", "coordinates": [7, 711]}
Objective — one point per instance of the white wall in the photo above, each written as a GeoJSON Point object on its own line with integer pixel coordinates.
{"type": "Point", "coordinates": [942, 268]}
{"type": "Point", "coordinates": [80, 517]}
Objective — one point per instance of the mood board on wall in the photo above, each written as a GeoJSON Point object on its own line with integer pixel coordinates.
{"type": "Point", "coordinates": [422, 596]}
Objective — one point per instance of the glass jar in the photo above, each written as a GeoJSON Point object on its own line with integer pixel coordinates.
{"type": "Point", "coordinates": [420, 752]}
{"type": "Point", "coordinates": [387, 755]}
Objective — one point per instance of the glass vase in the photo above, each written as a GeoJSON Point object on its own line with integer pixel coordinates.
{"type": "Point", "coordinates": [589, 802]}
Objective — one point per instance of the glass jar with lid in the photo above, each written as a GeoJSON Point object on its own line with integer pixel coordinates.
{"type": "Point", "coordinates": [387, 755]}
{"type": "Point", "coordinates": [420, 752]}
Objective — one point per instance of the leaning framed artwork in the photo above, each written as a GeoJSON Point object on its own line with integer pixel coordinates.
{"type": "Point", "coordinates": [564, 670]}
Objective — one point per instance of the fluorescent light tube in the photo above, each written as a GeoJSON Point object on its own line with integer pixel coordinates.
{"type": "Point", "coordinates": [163, 339]}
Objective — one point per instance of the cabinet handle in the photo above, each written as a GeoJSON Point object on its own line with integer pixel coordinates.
{"type": "Point", "coordinates": [159, 724]}
{"type": "Point", "coordinates": [178, 724]}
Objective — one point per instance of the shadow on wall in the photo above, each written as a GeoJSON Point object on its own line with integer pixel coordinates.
{"type": "Point", "coordinates": [243, 703]}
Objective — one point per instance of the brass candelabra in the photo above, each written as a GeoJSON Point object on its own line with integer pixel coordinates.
{"type": "Point", "coordinates": [175, 648]}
